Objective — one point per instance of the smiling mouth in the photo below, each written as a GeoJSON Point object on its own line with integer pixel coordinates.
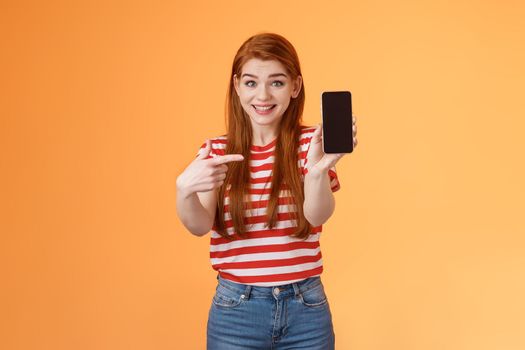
{"type": "Point", "coordinates": [263, 109]}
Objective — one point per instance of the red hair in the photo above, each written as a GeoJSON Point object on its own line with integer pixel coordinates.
{"type": "Point", "coordinates": [264, 46]}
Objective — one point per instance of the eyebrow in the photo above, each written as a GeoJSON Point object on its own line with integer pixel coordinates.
{"type": "Point", "coordinates": [270, 76]}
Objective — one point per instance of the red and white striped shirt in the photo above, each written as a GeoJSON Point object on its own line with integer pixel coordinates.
{"type": "Point", "coordinates": [267, 257]}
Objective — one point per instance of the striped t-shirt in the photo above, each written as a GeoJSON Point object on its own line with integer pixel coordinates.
{"type": "Point", "coordinates": [267, 257]}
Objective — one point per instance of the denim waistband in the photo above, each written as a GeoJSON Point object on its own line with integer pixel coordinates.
{"type": "Point", "coordinates": [295, 288]}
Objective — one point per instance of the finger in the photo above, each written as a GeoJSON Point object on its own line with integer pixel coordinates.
{"type": "Point", "coordinates": [221, 168]}
{"type": "Point", "coordinates": [205, 151]}
{"type": "Point", "coordinates": [228, 158]}
{"type": "Point", "coordinates": [354, 129]}
{"type": "Point", "coordinates": [353, 119]}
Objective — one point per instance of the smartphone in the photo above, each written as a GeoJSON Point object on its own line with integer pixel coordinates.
{"type": "Point", "coordinates": [336, 111]}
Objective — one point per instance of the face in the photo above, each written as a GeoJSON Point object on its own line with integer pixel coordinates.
{"type": "Point", "coordinates": [265, 89]}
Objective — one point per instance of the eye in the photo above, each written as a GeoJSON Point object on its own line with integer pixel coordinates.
{"type": "Point", "coordinates": [247, 83]}
{"type": "Point", "coordinates": [280, 83]}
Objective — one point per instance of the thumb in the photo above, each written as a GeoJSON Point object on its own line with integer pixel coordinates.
{"type": "Point", "coordinates": [205, 152]}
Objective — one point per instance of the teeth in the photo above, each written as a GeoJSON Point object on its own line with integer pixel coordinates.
{"type": "Point", "coordinates": [263, 108]}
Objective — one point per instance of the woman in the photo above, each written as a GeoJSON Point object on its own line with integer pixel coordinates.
{"type": "Point", "coordinates": [264, 190]}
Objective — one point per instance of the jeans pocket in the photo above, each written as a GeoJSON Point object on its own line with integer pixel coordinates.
{"type": "Point", "coordinates": [314, 297]}
{"type": "Point", "coordinates": [226, 298]}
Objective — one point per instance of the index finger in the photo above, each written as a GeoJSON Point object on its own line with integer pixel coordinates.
{"type": "Point", "coordinates": [228, 158]}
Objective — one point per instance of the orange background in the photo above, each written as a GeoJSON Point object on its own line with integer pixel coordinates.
{"type": "Point", "coordinates": [104, 104]}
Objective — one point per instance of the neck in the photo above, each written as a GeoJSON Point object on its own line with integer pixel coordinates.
{"type": "Point", "coordinates": [263, 136]}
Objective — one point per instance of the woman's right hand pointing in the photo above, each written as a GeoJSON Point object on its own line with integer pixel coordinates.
{"type": "Point", "coordinates": [203, 175]}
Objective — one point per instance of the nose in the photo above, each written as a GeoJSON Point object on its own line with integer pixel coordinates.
{"type": "Point", "coordinates": [262, 93]}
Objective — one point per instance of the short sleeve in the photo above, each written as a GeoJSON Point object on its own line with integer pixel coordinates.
{"type": "Point", "coordinates": [334, 180]}
{"type": "Point", "coordinates": [212, 153]}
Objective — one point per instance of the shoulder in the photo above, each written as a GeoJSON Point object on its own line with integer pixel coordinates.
{"type": "Point", "coordinates": [216, 141]}
{"type": "Point", "coordinates": [218, 145]}
{"type": "Point", "coordinates": [219, 142]}
{"type": "Point", "coordinates": [306, 135]}
{"type": "Point", "coordinates": [307, 131]}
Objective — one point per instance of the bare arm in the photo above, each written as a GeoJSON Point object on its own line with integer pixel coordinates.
{"type": "Point", "coordinates": [196, 190]}
{"type": "Point", "coordinates": [196, 210]}
{"type": "Point", "coordinates": [319, 202]}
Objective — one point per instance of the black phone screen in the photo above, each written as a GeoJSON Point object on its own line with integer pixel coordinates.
{"type": "Point", "coordinates": [336, 109]}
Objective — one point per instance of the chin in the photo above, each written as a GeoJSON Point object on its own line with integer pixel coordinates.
{"type": "Point", "coordinates": [264, 122]}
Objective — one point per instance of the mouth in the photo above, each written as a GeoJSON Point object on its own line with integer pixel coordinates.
{"type": "Point", "coordinates": [263, 109]}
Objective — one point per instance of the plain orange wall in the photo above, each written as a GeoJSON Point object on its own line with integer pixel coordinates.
{"type": "Point", "coordinates": [103, 104]}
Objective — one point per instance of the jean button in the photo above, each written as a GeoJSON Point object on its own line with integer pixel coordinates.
{"type": "Point", "coordinates": [276, 291]}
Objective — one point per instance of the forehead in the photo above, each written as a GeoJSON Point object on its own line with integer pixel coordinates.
{"type": "Point", "coordinates": [262, 68]}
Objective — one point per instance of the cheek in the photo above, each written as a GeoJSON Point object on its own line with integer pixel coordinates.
{"type": "Point", "coordinates": [244, 100]}
{"type": "Point", "coordinates": [284, 96]}
{"type": "Point", "coordinates": [285, 100]}
{"type": "Point", "coordinates": [245, 97]}
{"type": "Point", "coordinates": [246, 104]}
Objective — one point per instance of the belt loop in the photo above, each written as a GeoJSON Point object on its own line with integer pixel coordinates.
{"type": "Point", "coordinates": [296, 289]}
{"type": "Point", "coordinates": [247, 291]}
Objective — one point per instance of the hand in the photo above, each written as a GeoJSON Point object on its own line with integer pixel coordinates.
{"type": "Point", "coordinates": [203, 175]}
{"type": "Point", "coordinates": [316, 158]}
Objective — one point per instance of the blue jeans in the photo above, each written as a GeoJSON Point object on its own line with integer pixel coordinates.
{"type": "Point", "coordinates": [290, 316]}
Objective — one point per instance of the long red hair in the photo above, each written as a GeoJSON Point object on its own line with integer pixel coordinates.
{"type": "Point", "coordinates": [285, 175]}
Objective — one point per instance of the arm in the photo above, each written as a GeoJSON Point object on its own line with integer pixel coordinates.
{"type": "Point", "coordinates": [319, 202]}
{"type": "Point", "coordinates": [196, 189]}
{"type": "Point", "coordinates": [196, 210]}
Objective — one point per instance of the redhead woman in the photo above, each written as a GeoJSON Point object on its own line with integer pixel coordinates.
{"type": "Point", "coordinates": [264, 189]}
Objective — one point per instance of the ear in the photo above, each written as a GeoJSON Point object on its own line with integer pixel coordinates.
{"type": "Point", "coordinates": [297, 86]}
{"type": "Point", "coordinates": [236, 83]}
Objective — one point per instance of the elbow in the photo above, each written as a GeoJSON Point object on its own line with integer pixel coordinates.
{"type": "Point", "coordinates": [314, 220]}
{"type": "Point", "coordinates": [199, 233]}
{"type": "Point", "coordinates": [318, 217]}
{"type": "Point", "coordinates": [198, 230]}
{"type": "Point", "coordinates": [317, 221]}
{"type": "Point", "coordinates": [314, 223]}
